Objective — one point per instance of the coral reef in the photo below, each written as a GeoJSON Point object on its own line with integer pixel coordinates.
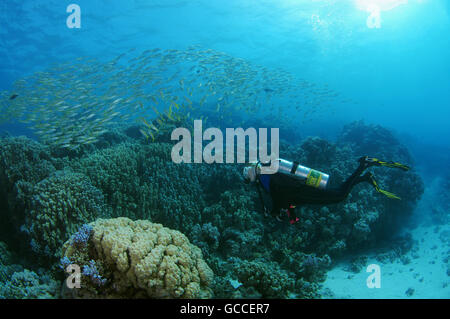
{"type": "Point", "coordinates": [140, 181]}
{"type": "Point", "coordinates": [375, 140]}
{"type": "Point", "coordinates": [115, 171]}
{"type": "Point", "coordinates": [263, 279]}
{"type": "Point", "coordinates": [137, 259]}
{"type": "Point", "coordinates": [366, 216]}
{"type": "Point", "coordinates": [440, 208]}
{"type": "Point", "coordinates": [54, 196]}
{"type": "Point", "coordinates": [58, 205]}
{"type": "Point", "coordinates": [27, 284]}
{"type": "Point", "coordinates": [23, 163]}
{"type": "Point", "coordinates": [16, 282]}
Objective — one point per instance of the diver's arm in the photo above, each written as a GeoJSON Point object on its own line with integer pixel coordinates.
{"type": "Point", "coordinates": [265, 199]}
{"type": "Point", "coordinates": [276, 206]}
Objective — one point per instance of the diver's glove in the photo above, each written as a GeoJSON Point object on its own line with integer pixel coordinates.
{"type": "Point", "coordinates": [266, 211]}
{"type": "Point", "coordinates": [290, 214]}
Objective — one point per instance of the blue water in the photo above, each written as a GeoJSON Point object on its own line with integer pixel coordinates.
{"type": "Point", "coordinates": [399, 73]}
{"type": "Point", "coordinates": [396, 76]}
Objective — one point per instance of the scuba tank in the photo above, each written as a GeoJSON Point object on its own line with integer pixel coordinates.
{"type": "Point", "coordinates": [309, 176]}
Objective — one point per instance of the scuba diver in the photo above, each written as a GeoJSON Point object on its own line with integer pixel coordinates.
{"type": "Point", "coordinates": [294, 184]}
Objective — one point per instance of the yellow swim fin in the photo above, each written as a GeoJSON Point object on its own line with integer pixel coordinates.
{"type": "Point", "coordinates": [389, 164]}
{"type": "Point", "coordinates": [379, 190]}
{"type": "Point", "coordinates": [388, 194]}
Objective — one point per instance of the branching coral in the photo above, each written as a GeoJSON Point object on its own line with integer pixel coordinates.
{"type": "Point", "coordinates": [27, 284]}
{"type": "Point", "coordinates": [17, 282]}
{"type": "Point", "coordinates": [23, 163]}
{"type": "Point", "coordinates": [374, 140]}
{"type": "Point", "coordinates": [115, 171]}
{"type": "Point", "coordinates": [58, 206]}
{"type": "Point", "coordinates": [139, 259]}
{"type": "Point", "coordinates": [23, 159]}
{"type": "Point", "coordinates": [266, 279]}
{"type": "Point", "coordinates": [141, 182]}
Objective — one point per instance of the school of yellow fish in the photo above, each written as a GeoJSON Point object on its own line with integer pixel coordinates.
{"type": "Point", "coordinates": [74, 103]}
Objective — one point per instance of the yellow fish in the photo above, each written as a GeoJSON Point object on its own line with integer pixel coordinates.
{"type": "Point", "coordinates": [145, 123]}
{"type": "Point", "coordinates": [154, 99]}
{"type": "Point", "coordinates": [187, 99]}
{"type": "Point", "coordinates": [155, 110]}
{"type": "Point", "coordinates": [143, 133]}
{"type": "Point", "coordinates": [169, 113]}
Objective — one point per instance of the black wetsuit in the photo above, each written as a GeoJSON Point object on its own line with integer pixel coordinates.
{"type": "Point", "coordinates": [286, 191]}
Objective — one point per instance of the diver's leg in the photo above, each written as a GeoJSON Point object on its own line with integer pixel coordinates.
{"type": "Point", "coordinates": [355, 178]}
{"type": "Point", "coordinates": [276, 207]}
{"type": "Point", "coordinates": [369, 178]}
{"type": "Point", "coordinates": [341, 192]}
{"type": "Point", "coordinates": [337, 194]}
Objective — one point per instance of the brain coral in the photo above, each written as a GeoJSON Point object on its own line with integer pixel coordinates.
{"type": "Point", "coordinates": [140, 259]}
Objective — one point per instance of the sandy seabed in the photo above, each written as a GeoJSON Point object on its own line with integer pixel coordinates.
{"type": "Point", "coordinates": [425, 276]}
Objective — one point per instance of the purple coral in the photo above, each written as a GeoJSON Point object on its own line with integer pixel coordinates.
{"type": "Point", "coordinates": [311, 261]}
{"type": "Point", "coordinates": [81, 238]}
{"type": "Point", "coordinates": [90, 270]}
